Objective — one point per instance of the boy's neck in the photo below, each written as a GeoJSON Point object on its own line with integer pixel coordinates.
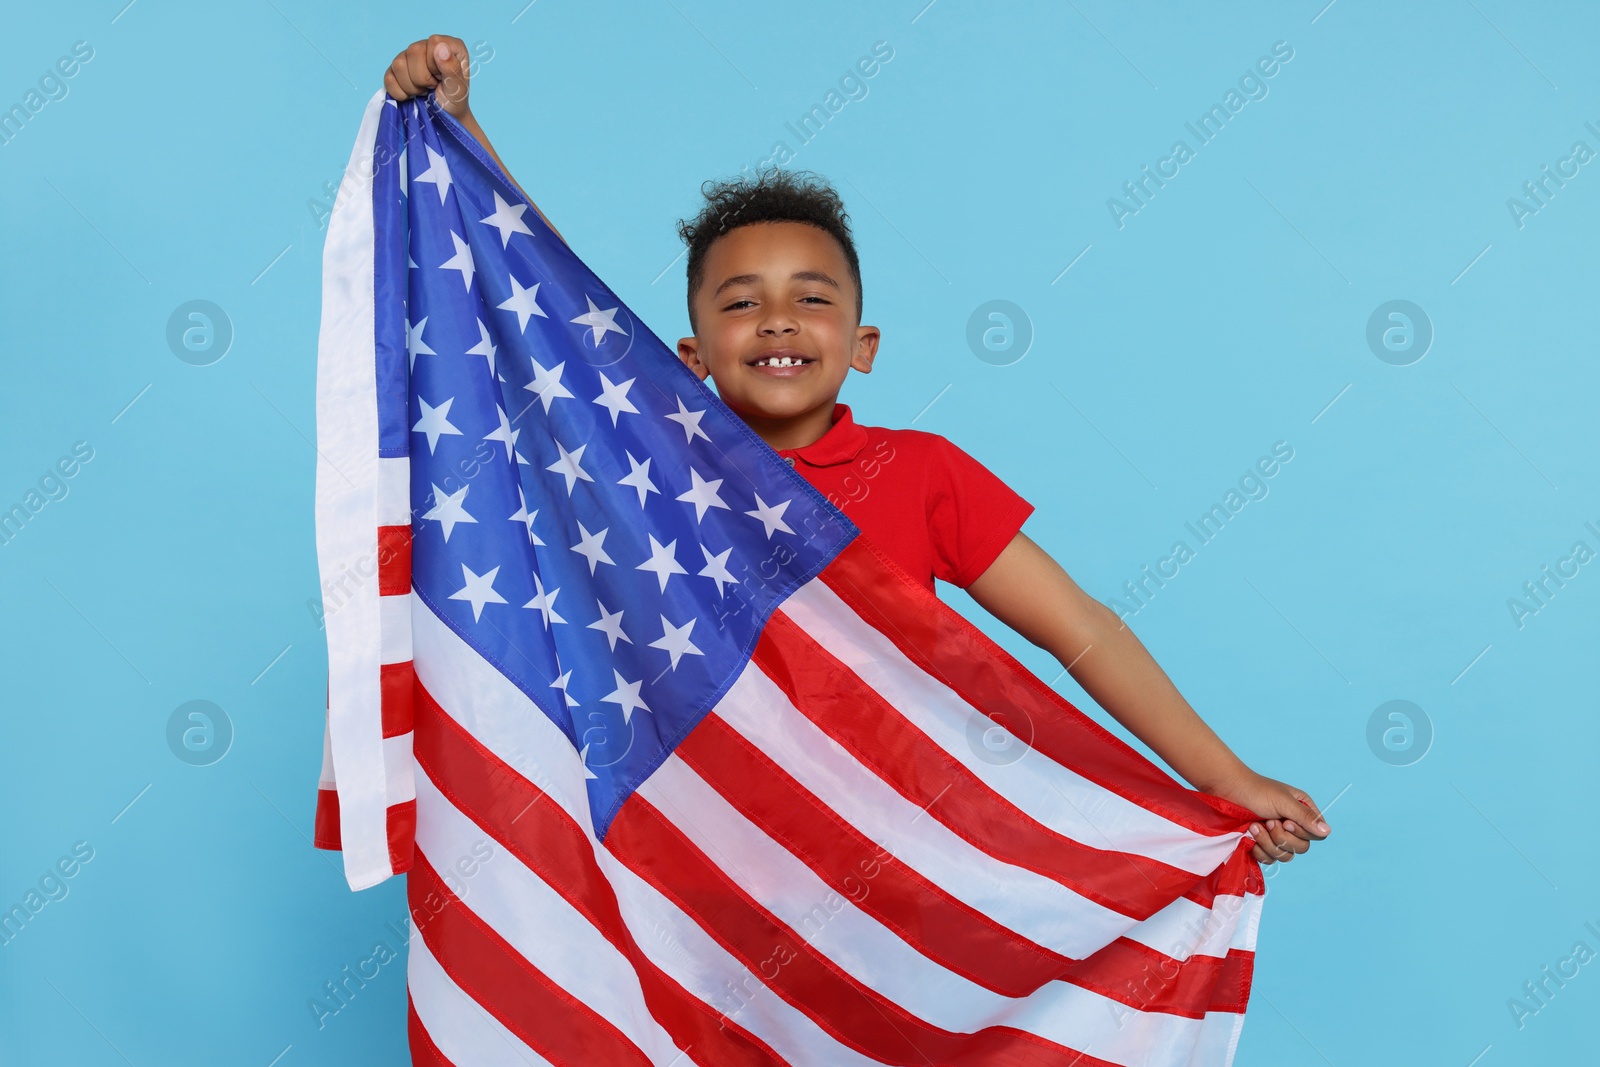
{"type": "Point", "coordinates": [796, 432]}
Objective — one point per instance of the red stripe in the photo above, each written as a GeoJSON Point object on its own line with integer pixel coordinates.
{"type": "Point", "coordinates": [326, 832]}
{"type": "Point", "coordinates": [494, 974]}
{"type": "Point", "coordinates": [424, 1053]}
{"type": "Point", "coordinates": [1142, 978]}
{"type": "Point", "coordinates": [946, 930]}
{"type": "Point", "coordinates": [854, 1013]}
{"type": "Point", "coordinates": [397, 683]}
{"type": "Point", "coordinates": [876, 734]}
{"type": "Point", "coordinates": [936, 638]}
{"type": "Point", "coordinates": [400, 827]}
{"type": "Point", "coordinates": [535, 829]}
{"type": "Point", "coordinates": [1239, 874]}
{"type": "Point", "coordinates": [394, 560]}
{"type": "Point", "coordinates": [400, 820]}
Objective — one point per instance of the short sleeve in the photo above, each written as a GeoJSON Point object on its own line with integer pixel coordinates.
{"type": "Point", "coordinates": [972, 514]}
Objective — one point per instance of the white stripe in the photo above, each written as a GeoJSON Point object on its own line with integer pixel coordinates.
{"type": "Point", "coordinates": [465, 1033]}
{"type": "Point", "coordinates": [1053, 795]}
{"type": "Point", "coordinates": [326, 779]}
{"type": "Point", "coordinates": [502, 719]}
{"type": "Point", "coordinates": [394, 490]}
{"type": "Point", "coordinates": [400, 782]}
{"type": "Point", "coordinates": [536, 920]}
{"type": "Point", "coordinates": [498, 714]}
{"type": "Point", "coordinates": [395, 618]}
{"type": "Point", "coordinates": [1184, 928]}
{"type": "Point", "coordinates": [1039, 908]}
{"type": "Point", "coordinates": [794, 895]}
{"type": "Point", "coordinates": [346, 514]}
{"type": "Point", "coordinates": [677, 945]}
{"type": "Point", "coordinates": [879, 959]}
{"type": "Point", "coordinates": [1219, 1040]}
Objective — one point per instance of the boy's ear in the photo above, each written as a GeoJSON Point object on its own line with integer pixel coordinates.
{"type": "Point", "coordinates": [689, 352]}
{"type": "Point", "coordinates": [867, 338]}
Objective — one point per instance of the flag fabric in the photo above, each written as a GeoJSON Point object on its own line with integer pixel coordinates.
{"type": "Point", "coordinates": [680, 767]}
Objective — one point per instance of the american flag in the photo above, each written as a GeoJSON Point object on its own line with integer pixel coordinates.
{"type": "Point", "coordinates": [682, 769]}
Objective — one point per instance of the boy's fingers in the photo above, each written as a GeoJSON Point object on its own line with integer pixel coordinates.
{"type": "Point", "coordinates": [442, 52]}
{"type": "Point", "coordinates": [1268, 835]}
{"type": "Point", "coordinates": [401, 69]}
{"type": "Point", "coordinates": [448, 56]}
{"type": "Point", "coordinates": [401, 76]}
{"type": "Point", "coordinates": [1313, 815]}
{"type": "Point", "coordinates": [1287, 844]}
{"type": "Point", "coordinates": [418, 67]}
{"type": "Point", "coordinates": [1297, 830]}
{"type": "Point", "coordinates": [392, 87]}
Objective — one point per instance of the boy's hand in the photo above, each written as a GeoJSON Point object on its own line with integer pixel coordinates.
{"type": "Point", "coordinates": [439, 63]}
{"type": "Point", "coordinates": [1291, 820]}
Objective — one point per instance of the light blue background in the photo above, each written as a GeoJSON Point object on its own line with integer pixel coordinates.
{"type": "Point", "coordinates": [1228, 314]}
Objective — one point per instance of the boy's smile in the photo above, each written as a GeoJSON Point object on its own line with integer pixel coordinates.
{"type": "Point", "coordinates": [776, 328]}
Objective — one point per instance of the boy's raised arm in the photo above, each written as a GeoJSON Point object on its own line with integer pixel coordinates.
{"type": "Point", "coordinates": [1030, 592]}
{"type": "Point", "coordinates": [440, 63]}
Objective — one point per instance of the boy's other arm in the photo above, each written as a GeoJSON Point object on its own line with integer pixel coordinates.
{"type": "Point", "coordinates": [440, 63]}
{"type": "Point", "coordinates": [1029, 591]}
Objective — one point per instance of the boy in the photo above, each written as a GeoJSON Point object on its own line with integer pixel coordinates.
{"type": "Point", "coordinates": [774, 300]}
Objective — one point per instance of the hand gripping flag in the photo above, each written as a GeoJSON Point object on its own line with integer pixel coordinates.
{"type": "Point", "coordinates": [681, 768]}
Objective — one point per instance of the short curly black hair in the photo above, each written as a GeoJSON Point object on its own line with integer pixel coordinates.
{"type": "Point", "coordinates": [774, 195]}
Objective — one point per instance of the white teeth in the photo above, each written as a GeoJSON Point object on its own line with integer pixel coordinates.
{"type": "Point", "coordinates": [779, 361]}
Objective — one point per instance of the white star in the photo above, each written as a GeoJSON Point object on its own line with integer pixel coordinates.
{"type": "Point", "coordinates": [662, 562]}
{"type": "Point", "coordinates": [526, 517]}
{"type": "Point", "coordinates": [569, 466]}
{"type": "Point", "coordinates": [546, 384]}
{"type": "Point", "coordinates": [690, 421]}
{"type": "Point", "coordinates": [448, 510]}
{"type": "Point", "coordinates": [675, 639]}
{"type": "Point", "coordinates": [561, 683]}
{"type": "Point", "coordinates": [771, 517]}
{"type": "Point", "coordinates": [639, 477]}
{"type": "Point", "coordinates": [507, 218]}
{"type": "Point", "coordinates": [545, 602]}
{"type": "Point", "coordinates": [505, 434]}
{"type": "Point", "coordinates": [435, 422]}
{"type": "Point", "coordinates": [405, 176]}
{"type": "Point", "coordinates": [415, 345]}
{"type": "Point", "coordinates": [614, 398]}
{"type": "Point", "coordinates": [461, 261]}
{"type": "Point", "coordinates": [438, 173]}
{"type": "Point", "coordinates": [479, 590]}
{"type": "Point", "coordinates": [703, 495]}
{"type": "Point", "coordinates": [592, 548]}
{"type": "Point", "coordinates": [610, 624]}
{"type": "Point", "coordinates": [523, 302]}
{"type": "Point", "coordinates": [716, 568]}
{"type": "Point", "coordinates": [584, 756]}
{"type": "Point", "coordinates": [626, 694]}
{"type": "Point", "coordinates": [599, 322]}
{"type": "Point", "coordinates": [485, 346]}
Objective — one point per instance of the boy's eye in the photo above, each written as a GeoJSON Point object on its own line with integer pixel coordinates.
{"type": "Point", "coordinates": [742, 303]}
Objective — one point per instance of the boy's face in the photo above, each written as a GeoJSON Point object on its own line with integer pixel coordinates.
{"type": "Point", "coordinates": [777, 288]}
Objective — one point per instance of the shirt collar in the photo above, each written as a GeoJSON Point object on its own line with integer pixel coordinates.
{"type": "Point", "coordinates": [842, 443]}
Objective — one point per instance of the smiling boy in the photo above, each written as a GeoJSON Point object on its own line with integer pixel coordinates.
{"type": "Point", "coordinates": [775, 305]}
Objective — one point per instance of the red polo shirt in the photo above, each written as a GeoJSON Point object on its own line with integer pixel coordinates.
{"type": "Point", "coordinates": [929, 506]}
